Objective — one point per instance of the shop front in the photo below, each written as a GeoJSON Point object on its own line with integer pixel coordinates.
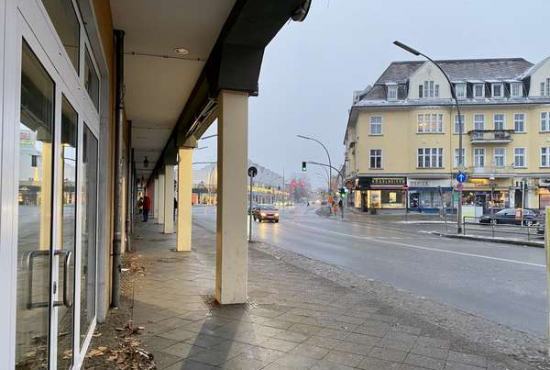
{"type": "Point", "coordinates": [380, 193]}
{"type": "Point", "coordinates": [544, 193]}
{"type": "Point", "coordinates": [491, 194]}
{"type": "Point", "coordinates": [429, 195]}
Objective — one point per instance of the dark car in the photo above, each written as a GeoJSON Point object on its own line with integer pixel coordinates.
{"type": "Point", "coordinates": [266, 212]}
{"type": "Point", "coordinates": [508, 216]}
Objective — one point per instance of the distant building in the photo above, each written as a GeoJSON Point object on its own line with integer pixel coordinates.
{"type": "Point", "coordinates": [403, 130]}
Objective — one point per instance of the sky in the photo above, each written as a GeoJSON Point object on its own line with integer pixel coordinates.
{"type": "Point", "coordinates": [311, 69]}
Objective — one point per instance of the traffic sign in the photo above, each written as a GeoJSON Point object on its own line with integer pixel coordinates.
{"type": "Point", "coordinates": [252, 171]}
{"type": "Point", "coordinates": [459, 186]}
{"type": "Point", "coordinates": [405, 187]}
{"type": "Point", "coordinates": [461, 177]}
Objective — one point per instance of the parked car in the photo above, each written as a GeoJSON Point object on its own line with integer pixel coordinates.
{"type": "Point", "coordinates": [508, 216]}
{"type": "Point", "coordinates": [266, 212]}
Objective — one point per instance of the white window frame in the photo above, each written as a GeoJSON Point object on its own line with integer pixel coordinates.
{"type": "Point", "coordinates": [433, 123]}
{"type": "Point", "coordinates": [503, 121]}
{"type": "Point", "coordinates": [519, 87]}
{"type": "Point", "coordinates": [482, 156]}
{"type": "Point", "coordinates": [475, 121]}
{"type": "Point", "coordinates": [524, 156]}
{"type": "Point", "coordinates": [482, 91]}
{"type": "Point", "coordinates": [503, 155]}
{"type": "Point", "coordinates": [430, 154]}
{"type": "Point", "coordinates": [456, 128]}
{"type": "Point", "coordinates": [501, 85]}
{"type": "Point", "coordinates": [545, 156]}
{"type": "Point", "coordinates": [371, 156]}
{"type": "Point", "coordinates": [545, 121]}
{"type": "Point", "coordinates": [392, 89]}
{"type": "Point", "coordinates": [456, 157]}
{"type": "Point", "coordinates": [462, 88]}
{"type": "Point", "coordinates": [542, 88]}
{"type": "Point", "coordinates": [371, 125]}
{"type": "Point", "coordinates": [516, 115]}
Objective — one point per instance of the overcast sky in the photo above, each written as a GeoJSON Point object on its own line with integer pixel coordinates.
{"type": "Point", "coordinates": [311, 69]}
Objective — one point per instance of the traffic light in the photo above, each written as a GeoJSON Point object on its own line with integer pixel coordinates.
{"type": "Point", "coordinates": [304, 166]}
{"type": "Point", "coordinates": [343, 193]}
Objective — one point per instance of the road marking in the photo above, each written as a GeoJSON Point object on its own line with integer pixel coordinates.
{"type": "Point", "coordinates": [412, 246]}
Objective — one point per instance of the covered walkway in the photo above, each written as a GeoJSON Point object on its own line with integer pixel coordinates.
{"type": "Point", "coordinates": [293, 318]}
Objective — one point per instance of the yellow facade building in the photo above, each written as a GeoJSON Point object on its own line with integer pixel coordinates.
{"type": "Point", "coordinates": [402, 138]}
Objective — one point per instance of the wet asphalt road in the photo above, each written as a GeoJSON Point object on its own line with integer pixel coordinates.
{"type": "Point", "coordinates": [503, 283]}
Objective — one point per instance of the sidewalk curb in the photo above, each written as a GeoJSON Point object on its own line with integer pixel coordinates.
{"type": "Point", "coordinates": [491, 240]}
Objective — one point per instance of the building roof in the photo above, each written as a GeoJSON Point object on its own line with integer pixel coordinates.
{"type": "Point", "coordinates": [461, 70]}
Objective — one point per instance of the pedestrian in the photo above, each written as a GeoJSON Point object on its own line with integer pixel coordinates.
{"type": "Point", "coordinates": [146, 208]}
{"type": "Point", "coordinates": [341, 206]}
{"type": "Point", "coordinates": [140, 205]}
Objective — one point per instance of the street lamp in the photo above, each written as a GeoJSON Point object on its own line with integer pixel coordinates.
{"type": "Point", "coordinates": [328, 155]}
{"type": "Point", "coordinates": [461, 128]}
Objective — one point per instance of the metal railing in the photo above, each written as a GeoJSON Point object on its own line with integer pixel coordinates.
{"type": "Point", "coordinates": [490, 135]}
{"type": "Point", "coordinates": [502, 230]}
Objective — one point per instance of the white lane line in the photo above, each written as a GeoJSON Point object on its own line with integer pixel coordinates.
{"type": "Point", "coordinates": [412, 246]}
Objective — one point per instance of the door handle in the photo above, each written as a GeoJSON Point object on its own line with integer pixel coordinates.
{"type": "Point", "coordinates": [30, 268]}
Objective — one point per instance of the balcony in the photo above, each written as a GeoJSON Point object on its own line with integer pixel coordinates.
{"type": "Point", "coordinates": [490, 136]}
{"type": "Point", "coordinates": [489, 170]}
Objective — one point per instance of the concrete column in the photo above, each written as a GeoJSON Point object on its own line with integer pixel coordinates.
{"type": "Point", "coordinates": [160, 217]}
{"type": "Point", "coordinates": [168, 199]}
{"type": "Point", "coordinates": [185, 189]}
{"type": "Point", "coordinates": [231, 224]}
{"type": "Point", "coordinates": [156, 198]}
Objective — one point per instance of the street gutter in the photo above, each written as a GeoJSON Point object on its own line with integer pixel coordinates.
{"type": "Point", "coordinates": [525, 243]}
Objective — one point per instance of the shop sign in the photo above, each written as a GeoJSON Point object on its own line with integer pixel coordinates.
{"type": "Point", "coordinates": [388, 181]}
{"type": "Point", "coordinates": [425, 183]}
{"type": "Point", "coordinates": [544, 182]}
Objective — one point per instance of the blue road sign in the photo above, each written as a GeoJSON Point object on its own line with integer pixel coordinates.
{"type": "Point", "coordinates": [461, 177]}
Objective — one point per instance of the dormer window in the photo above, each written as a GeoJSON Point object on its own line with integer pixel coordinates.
{"type": "Point", "coordinates": [460, 90]}
{"type": "Point", "coordinates": [392, 92]}
{"type": "Point", "coordinates": [516, 90]}
{"type": "Point", "coordinates": [479, 91]}
{"type": "Point", "coordinates": [498, 90]}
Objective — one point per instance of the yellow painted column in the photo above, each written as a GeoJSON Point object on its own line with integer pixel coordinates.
{"type": "Point", "coordinates": [46, 184]}
{"type": "Point", "coordinates": [160, 218]}
{"type": "Point", "coordinates": [231, 224]}
{"type": "Point", "coordinates": [156, 199]}
{"type": "Point", "coordinates": [185, 189]}
{"type": "Point", "coordinates": [168, 199]}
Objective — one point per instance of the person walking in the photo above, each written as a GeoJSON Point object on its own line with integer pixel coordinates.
{"type": "Point", "coordinates": [341, 206]}
{"type": "Point", "coordinates": [146, 208]}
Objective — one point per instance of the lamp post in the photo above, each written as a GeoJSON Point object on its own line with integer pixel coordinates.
{"type": "Point", "coordinates": [461, 128]}
{"type": "Point", "coordinates": [328, 155]}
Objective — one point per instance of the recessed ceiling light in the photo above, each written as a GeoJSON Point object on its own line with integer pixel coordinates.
{"type": "Point", "coordinates": [181, 51]}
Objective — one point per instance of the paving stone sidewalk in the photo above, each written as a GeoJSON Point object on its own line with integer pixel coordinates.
{"type": "Point", "coordinates": [294, 320]}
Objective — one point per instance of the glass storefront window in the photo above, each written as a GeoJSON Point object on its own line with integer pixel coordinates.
{"type": "Point", "coordinates": [91, 80]}
{"type": "Point", "coordinates": [35, 212]}
{"type": "Point", "coordinates": [88, 211]}
{"type": "Point", "coordinates": [64, 18]}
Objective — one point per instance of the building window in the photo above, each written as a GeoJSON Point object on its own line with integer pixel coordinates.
{"type": "Point", "coordinates": [430, 157]}
{"type": "Point", "coordinates": [479, 157]}
{"type": "Point", "coordinates": [519, 157]}
{"type": "Point", "coordinates": [545, 88]}
{"type": "Point", "coordinates": [517, 90]}
{"type": "Point", "coordinates": [519, 122]}
{"type": "Point", "coordinates": [460, 90]}
{"type": "Point", "coordinates": [376, 158]}
{"type": "Point", "coordinates": [430, 123]}
{"type": "Point", "coordinates": [545, 121]}
{"type": "Point", "coordinates": [545, 157]}
{"type": "Point", "coordinates": [430, 90]}
{"type": "Point", "coordinates": [479, 122]}
{"type": "Point", "coordinates": [479, 90]}
{"type": "Point", "coordinates": [457, 123]}
{"type": "Point", "coordinates": [457, 159]}
{"type": "Point", "coordinates": [91, 80]}
{"type": "Point", "coordinates": [376, 125]}
{"type": "Point", "coordinates": [499, 157]}
{"type": "Point", "coordinates": [498, 91]}
{"type": "Point", "coordinates": [499, 121]}
{"type": "Point", "coordinates": [392, 92]}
